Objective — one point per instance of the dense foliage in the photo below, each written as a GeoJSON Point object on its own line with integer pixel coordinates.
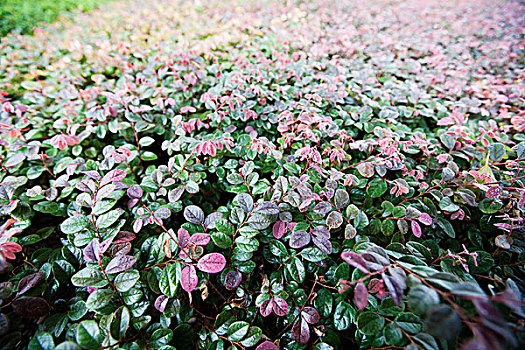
{"type": "Point", "coordinates": [22, 16]}
{"type": "Point", "coordinates": [232, 175]}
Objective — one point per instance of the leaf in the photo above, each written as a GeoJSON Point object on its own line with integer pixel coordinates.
{"type": "Point", "coordinates": [410, 323]}
{"type": "Point", "coordinates": [447, 227]}
{"type": "Point", "coordinates": [162, 213]}
{"type": "Point", "coordinates": [313, 254]}
{"type": "Point", "coordinates": [28, 282]}
{"type": "Point", "coordinates": [447, 205]}
{"type": "Point", "coordinates": [334, 219]}
{"type": "Point", "coordinates": [188, 278]}
{"type": "Point", "coordinates": [267, 208]}
{"type": "Point", "coordinates": [232, 279]}
{"type": "Point", "coordinates": [211, 219]}
{"type": "Point", "coordinates": [126, 280]}
{"type": "Point", "coordinates": [355, 260]}
{"type": "Point", "coordinates": [74, 224]}
{"type": "Point", "coordinates": [322, 208]}
{"type": "Point", "coordinates": [494, 191]}
{"type": "Point", "coordinates": [376, 188]}
{"type": "Point", "coordinates": [111, 176]}
{"type": "Point", "coordinates": [427, 342]}
{"type": "Point", "coordinates": [366, 169]}
{"type": "Point", "coordinates": [253, 337]}
{"type": "Point", "coordinates": [323, 244]}
{"type": "Point", "coordinates": [212, 263]}
{"type": "Point", "coordinates": [279, 229]}
{"type": "Point", "coordinates": [310, 315]}
{"type": "Point", "coordinates": [194, 214]}
{"type": "Point", "coordinates": [200, 238]}
{"type": "Point", "coordinates": [370, 323]}
{"type": "Point", "coordinates": [503, 241]}
{"type": "Point", "coordinates": [416, 229]}
{"type": "Point", "coordinates": [169, 279]}
{"type": "Point", "coordinates": [360, 296]}
{"type": "Point", "coordinates": [99, 298]}
{"type": "Point", "coordinates": [497, 151]}
{"type": "Point", "coordinates": [343, 316]}
{"type": "Point", "coordinates": [88, 335]}
{"type": "Point", "coordinates": [89, 277]}
{"type": "Point", "coordinates": [120, 323]}
{"type": "Point", "coordinates": [259, 221]}
{"type": "Point", "coordinates": [41, 341]}
{"type": "Point", "coordinates": [341, 198]}
{"type": "Point", "coordinates": [301, 332]}
{"type": "Point", "coordinates": [161, 302]}
{"type": "Point", "coordinates": [443, 322]}
{"type": "Point", "coordinates": [160, 338]}
{"type": "Point", "coordinates": [266, 307]}
{"type": "Point", "coordinates": [299, 239]}
{"type": "Point", "coordinates": [108, 219]}
{"type": "Point", "coordinates": [238, 330]}
{"type": "Point", "coordinates": [267, 345]}
{"type": "Point", "coordinates": [245, 202]}
{"type": "Point", "coordinates": [421, 298]}
{"type": "Point", "coordinates": [280, 306]}
{"type": "Point", "coordinates": [425, 219]}
{"type": "Point", "coordinates": [120, 263]}
{"type": "Point", "coordinates": [30, 307]}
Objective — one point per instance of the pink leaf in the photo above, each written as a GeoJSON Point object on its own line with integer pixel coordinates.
{"type": "Point", "coordinates": [120, 263]}
{"type": "Point", "coordinates": [446, 121]}
{"type": "Point", "coordinates": [355, 260]}
{"type": "Point", "coordinates": [299, 239]}
{"type": "Point", "coordinates": [280, 307]}
{"type": "Point", "coordinates": [494, 191]}
{"type": "Point", "coordinates": [184, 237]}
{"type": "Point", "coordinates": [425, 219]}
{"type": "Point", "coordinates": [301, 331]}
{"type": "Point", "coordinates": [267, 345]}
{"type": "Point", "coordinates": [361, 296]}
{"type": "Point", "coordinates": [113, 175]}
{"type": "Point", "coordinates": [212, 263]}
{"type": "Point", "coordinates": [310, 315]}
{"type": "Point", "coordinates": [266, 307]}
{"type": "Point", "coordinates": [160, 303]}
{"type": "Point", "coordinates": [188, 278]}
{"type": "Point", "coordinates": [92, 251]}
{"type": "Point", "coordinates": [123, 237]}
{"type": "Point", "coordinates": [416, 229]}
{"type": "Point", "coordinates": [200, 238]}
{"type": "Point", "coordinates": [279, 229]}
{"type": "Point", "coordinates": [135, 191]}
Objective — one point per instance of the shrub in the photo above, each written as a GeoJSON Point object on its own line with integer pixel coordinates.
{"type": "Point", "coordinates": [263, 192]}
{"type": "Point", "coordinates": [22, 16]}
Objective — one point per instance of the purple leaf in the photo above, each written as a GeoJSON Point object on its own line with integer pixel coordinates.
{"type": "Point", "coordinates": [200, 238]}
{"type": "Point", "coordinates": [123, 237]}
{"type": "Point", "coordinates": [113, 175]}
{"type": "Point", "coordinates": [299, 239]}
{"type": "Point", "coordinates": [87, 185]}
{"type": "Point", "coordinates": [279, 229]}
{"type": "Point", "coordinates": [268, 208]}
{"type": "Point", "coordinates": [301, 331]}
{"type": "Point", "coordinates": [494, 191]}
{"type": "Point", "coordinates": [416, 229]}
{"type": "Point", "coordinates": [355, 260]}
{"type": "Point", "coordinates": [30, 307]}
{"type": "Point", "coordinates": [321, 232]}
{"type": "Point", "coordinates": [137, 225]}
{"type": "Point", "coordinates": [209, 223]}
{"type": "Point", "coordinates": [212, 263]}
{"type": "Point", "coordinates": [188, 278]}
{"type": "Point", "coordinates": [194, 214]}
{"type": "Point", "coordinates": [233, 279]}
{"type": "Point", "coordinates": [121, 248]}
{"type": "Point", "coordinates": [162, 213]}
{"type": "Point", "coordinates": [425, 219]}
{"type": "Point", "coordinates": [280, 307]}
{"type": "Point", "coordinates": [323, 244]}
{"type": "Point", "coordinates": [396, 295]}
{"type": "Point", "coordinates": [184, 237]}
{"type": "Point", "coordinates": [160, 303]}
{"type": "Point", "coordinates": [266, 307]}
{"type": "Point", "coordinates": [92, 251]}
{"type": "Point", "coordinates": [361, 296]}
{"type": "Point", "coordinates": [29, 282]}
{"type": "Point", "coordinates": [135, 191]}
{"type": "Point", "coordinates": [310, 315]}
{"type": "Point", "coordinates": [92, 174]}
{"type": "Point", "coordinates": [103, 247]}
{"type": "Point", "coordinates": [322, 208]}
{"type": "Point", "coordinates": [120, 263]}
{"type": "Point", "coordinates": [267, 345]}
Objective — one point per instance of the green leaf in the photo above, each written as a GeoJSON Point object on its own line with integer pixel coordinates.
{"type": "Point", "coordinates": [108, 219]}
{"type": "Point", "coordinates": [426, 341]}
{"type": "Point", "coordinates": [99, 298]}
{"type": "Point", "coordinates": [490, 205]}
{"type": "Point", "coordinates": [324, 302]}
{"type": "Point", "coordinates": [160, 338]}
{"type": "Point", "coordinates": [376, 188]}
{"type": "Point", "coordinates": [88, 335]}
{"type": "Point", "coordinates": [370, 323]}
{"type": "Point", "coordinates": [238, 330]}
{"type": "Point", "coordinates": [221, 240]}
{"type": "Point", "coordinates": [120, 323]}
{"type": "Point", "coordinates": [497, 152]}
{"type": "Point", "coordinates": [447, 205]}
{"type": "Point", "coordinates": [409, 322]}
{"type": "Point", "coordinates": [393, 335]}
{"type": "Point", "coordinates": [169, 279]}
{"type": "Point", "coordinates": [74, 224]}
{"type": "Point", "coordinates": [446, 226]}
{"type": "Point", "coordinates": [343, 316]}
{"type": "Point", "coordinates": [41, 341]}
{"type": "Point", "coordinates": [421, 298]}
{"type": "Point", "coordinates": [126, 280]}
{"type": "Point", "coordinates": [313, 254]}
{"type": "Point", "coordinates": [89, 277]}
{"type": "Point", "coordinates": [252, 338]}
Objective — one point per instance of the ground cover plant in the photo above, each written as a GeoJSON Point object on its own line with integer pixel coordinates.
{"type": "Point", "coordinates": [22, 16]}
{"type": "Point", "coordinates": [236, 175]}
